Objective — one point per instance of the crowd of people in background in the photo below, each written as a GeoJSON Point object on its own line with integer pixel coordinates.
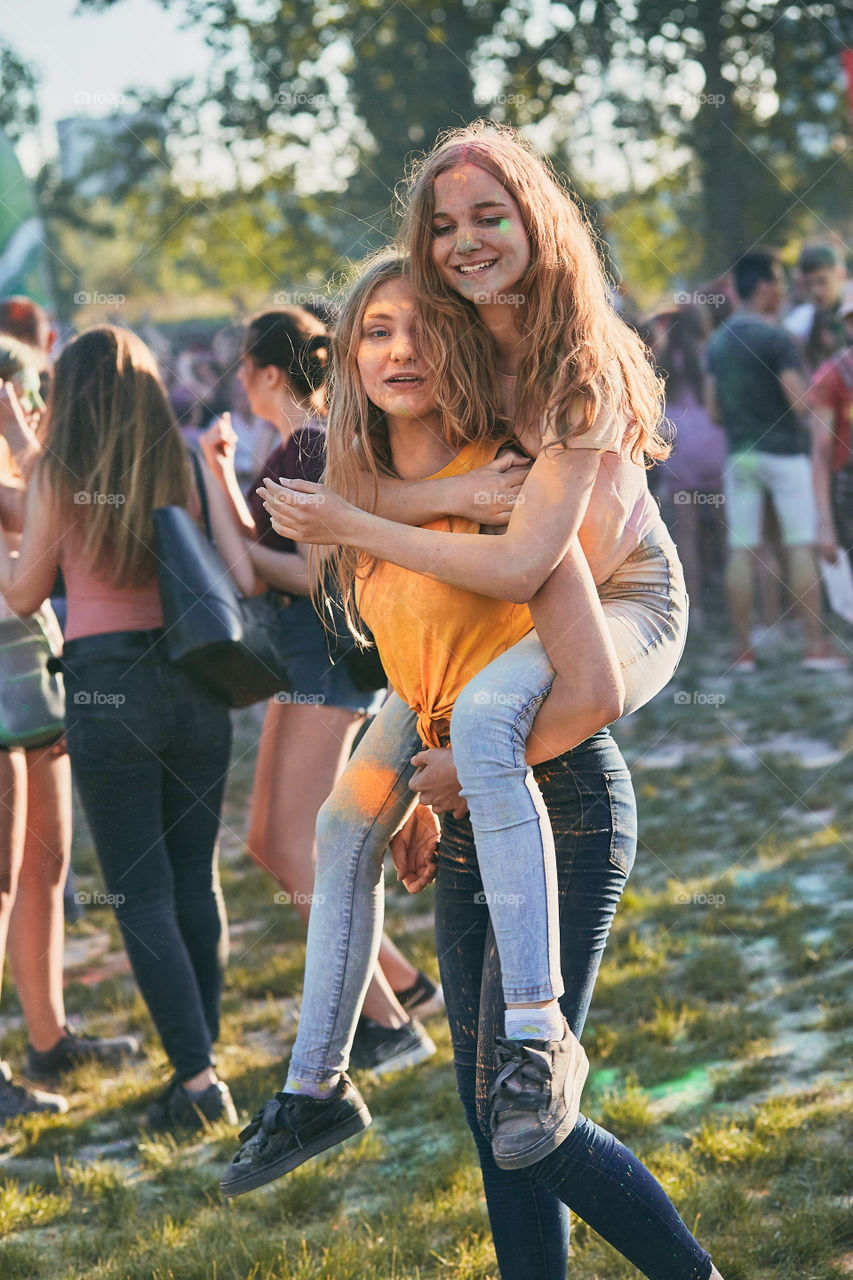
{"type": "Point", "coordinates": [757, 493]}
{"type": "Point", "coordinates": [710, 500]}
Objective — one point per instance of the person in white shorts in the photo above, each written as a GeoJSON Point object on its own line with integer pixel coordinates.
{"type": "Point", "coordinates": [758, 394]}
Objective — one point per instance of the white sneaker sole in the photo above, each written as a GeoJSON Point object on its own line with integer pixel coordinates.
{"type": "Point", "coordinates": [418, 1053]}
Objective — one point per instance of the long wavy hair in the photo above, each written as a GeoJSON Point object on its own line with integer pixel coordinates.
{"type": "Point", "coordinates": [112, 451]}
{"type": "Point", "coordinates": [577, 355]}
{"type": "Point", "coordinates": [357, 436]}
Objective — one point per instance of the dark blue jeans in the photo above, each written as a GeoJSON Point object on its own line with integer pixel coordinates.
{"type": "Point", "coordinates": [149, 755]}
{"type": "Point", "coordinates": [590, 801]}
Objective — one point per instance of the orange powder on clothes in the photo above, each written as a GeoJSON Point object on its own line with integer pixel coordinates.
{"type": "Point", "coordinates": [433, 638]}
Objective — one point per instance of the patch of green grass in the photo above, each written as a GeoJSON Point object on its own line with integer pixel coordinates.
{"type": "Point", "coordinates": [712, 943]}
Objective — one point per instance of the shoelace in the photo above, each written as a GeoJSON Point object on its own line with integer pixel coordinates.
{"type": "Point", "coordinates": [271, 1118]}
{"type": "Point", "coordinates": [523, 1076]}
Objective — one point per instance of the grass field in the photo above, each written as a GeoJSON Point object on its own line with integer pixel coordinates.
{"type": "Point", "coordinates": [721, 1038]}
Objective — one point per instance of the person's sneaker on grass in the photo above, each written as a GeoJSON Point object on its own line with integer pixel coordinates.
{"type": "Point", "coordinates": [824, 658]}
{"type": "Point", "coordinates": [386, 1049]}
{"type": "Point", "coordinates": [23, 1100]}
{"type": "Point", "coordinates": [535, 1098]}
{"type": "Point", "coordinates": [179, 1110]}
{"type": "Point", "coordinates": [290, 1129]}
{"type": "Point", "coordinates": [423, 998]}
{"type": "Point", "coordinates": [73, 1048]}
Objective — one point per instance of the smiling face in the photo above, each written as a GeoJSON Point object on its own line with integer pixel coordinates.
{"type": "Point", "coordinates": [480, 246]}
{"type": "Point", "coordinates": [391, 368]}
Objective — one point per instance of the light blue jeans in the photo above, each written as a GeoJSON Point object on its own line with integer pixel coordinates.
{"type": "Point", "coordinates": [646, 607]}
{"type": "Point", "coordinates": [370, 802]}
{"type": "Point", "coordinates": [645, 604]}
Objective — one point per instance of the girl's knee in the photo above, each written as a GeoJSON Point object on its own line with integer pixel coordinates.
{"type": "Point", "coordinates": [333, 825]}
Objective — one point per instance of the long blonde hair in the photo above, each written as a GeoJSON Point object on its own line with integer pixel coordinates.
{"type": "Point", "coordinates": [357, 435]}
{"type": "Point", "coordinates": [576, 352]}
{"type": "Point", "coordinates": [112, 451]}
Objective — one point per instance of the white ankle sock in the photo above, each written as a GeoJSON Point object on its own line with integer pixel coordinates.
{"type": "Point", "coordinates": [534, 1024]}
{"type": "Point", "coordinates": [319, 1089]}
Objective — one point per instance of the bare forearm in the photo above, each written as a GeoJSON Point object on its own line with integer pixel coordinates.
{"type": "Point", "coordinates": [226, 479]}
{"type": "Point", "coordinates": [504, 568]}
{"type": "Point", "coordinates": [821, 476]}
{"type": "Point", "coordinates": [820, 427]}
{"type": "Point", "coordinates": [285, 571]}
{"type": "Point", "coordinates": [410, 501]}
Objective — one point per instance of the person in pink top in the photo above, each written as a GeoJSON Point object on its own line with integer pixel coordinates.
{"type": "Point", "coordinates": [149, 751]}
{"type": "Point", "coordinates": [515, 316]}
{"type": "Point", "coordinates": [831, 398]}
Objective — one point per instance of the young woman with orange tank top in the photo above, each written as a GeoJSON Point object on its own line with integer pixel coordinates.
{"type": "Point", "coordinates": [433, 638]}
{"type": "Point", "coordinates": [308, 733]}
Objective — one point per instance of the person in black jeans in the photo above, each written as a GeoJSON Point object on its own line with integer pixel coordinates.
{"type": "Point", "coordinates": [149, 751]}
{"type": "Point", "coordinates": [590, 801]}
{"type": "Point", "coordinates": [151, 782]}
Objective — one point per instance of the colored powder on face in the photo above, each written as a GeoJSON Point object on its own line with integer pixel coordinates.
{"type": "Point", "coordinates": [504, 225]}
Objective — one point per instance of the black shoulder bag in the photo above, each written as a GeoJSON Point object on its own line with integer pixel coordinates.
{"type": "Point", "coordinates": [228, 643]}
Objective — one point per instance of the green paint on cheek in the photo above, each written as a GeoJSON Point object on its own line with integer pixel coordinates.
{"type": "Point", "coordinates": [504, 225]}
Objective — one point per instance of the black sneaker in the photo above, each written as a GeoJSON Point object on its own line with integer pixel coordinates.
{"type": "Point", "coordinates": [291, 1129]}
{"type": "Point", "coordinates": [536, 1097]}
{"type": "Point", "coordinates": [386, 1049]}
{"type": "Point", "coordinates": [74, 1048]}
{"type": "Point", "coordinates": [423, 998]}
{"type": "Point", "coordinates": [21, 1100]}
{"type": "Point", "coordinates": [178, 1109]}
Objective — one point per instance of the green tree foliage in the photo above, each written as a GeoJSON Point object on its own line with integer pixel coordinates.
{"type": "Point", "coordinates": [725, 116]}
{"type": "Point", "coordinates": [18, 94]}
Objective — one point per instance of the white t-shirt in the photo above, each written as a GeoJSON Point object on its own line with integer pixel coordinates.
{"type": "Point", "coordinates": [621, 509]}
